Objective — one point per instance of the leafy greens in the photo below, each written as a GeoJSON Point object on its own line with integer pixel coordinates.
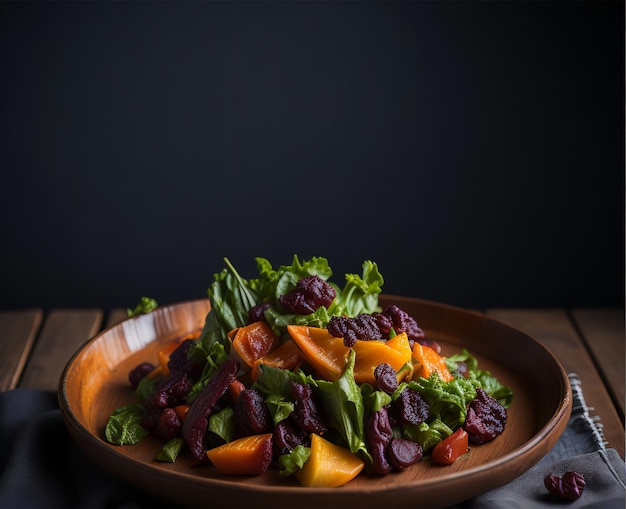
{"type": "Point", "coordinates": [232, 297]}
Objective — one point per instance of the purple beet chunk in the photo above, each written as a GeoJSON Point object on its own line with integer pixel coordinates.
{"type": "Point", "coordinates": [195, 425]}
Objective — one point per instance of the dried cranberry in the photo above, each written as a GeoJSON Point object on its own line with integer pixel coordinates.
{"type": "Point", "coordinates": [403, 453]}
{"type": "Point", "coordinates": [485, 419]}
{"type": "Point", "coordinates": [403, 322]}
{"type": "Point", "coordinates": [308, 296]}
{"type": "Point", "coordinates": [568, 487]}
{"type": "Point", "coordinates": [384, 322]}
{"type": "Point", "coordinates": [362, 327]}
{"type": "Point", "coordinates": [410, 407]}
{"type": "Point", "coordinates": [386, 378]}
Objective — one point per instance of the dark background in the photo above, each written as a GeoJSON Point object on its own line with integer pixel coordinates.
{"type": "Point", "coordinates": [474, 150]}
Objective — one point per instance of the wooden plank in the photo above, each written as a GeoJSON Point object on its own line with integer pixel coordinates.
{"type": "Point", "coordinates": [603, 332]}
{"type": "Point", "coordinates": [557, 332]}
{"type": "Point", "coordinates": [63, 333]}
{"type": "Point", "coordinates": [18, 330]}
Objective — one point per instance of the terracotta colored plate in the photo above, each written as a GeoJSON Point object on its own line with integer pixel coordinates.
{"type": "Point", "coordinates": [94, 383]}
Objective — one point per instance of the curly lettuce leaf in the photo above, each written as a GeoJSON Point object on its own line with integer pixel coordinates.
{"type": "Point", "coordinates": [426, 434]}
{"type": "Point", "coordinates": [374, 400]}
{"type": "Point", "coordinates": [289, 464]}
{"type": "Point", "coordinates": [232, 296]}
{"type": "Point", "coordinates": [490, 384]}
{"type": "Point", "coordinates": [278, 319]}
{"type": "Point", "coordinates": [271, 284]}
{"type": "Point", "coordinates": [360, 293]}
{"type": "Point", "coordinates": [447, 400]}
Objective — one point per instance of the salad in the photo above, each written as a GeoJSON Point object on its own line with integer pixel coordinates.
{"type": "Point", "coordinates": [296, 373]}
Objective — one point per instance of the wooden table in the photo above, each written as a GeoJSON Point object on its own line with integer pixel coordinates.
{"type": "Point", "coordinates": [35, 347]}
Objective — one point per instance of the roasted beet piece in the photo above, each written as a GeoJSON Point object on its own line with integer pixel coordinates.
{"type": "Point", "coordinates": [378, 435]}
{"type": "Point", "coordinates": [403, 453]}
{"type": "Point", "coordinates": [410, 407]}
{"type": "Point", "coordinates": [251, 413]}
{"type": "Point", "coordinates": [485, 418]}
{"type": "Point", "coordinates": [176, 386]}
{"type": "Point", "coordinates": [309, 294]}
{"type": "Point", "coordinates": [568, 487]}
{"type": "Point", "coordinates": [195, 425]}
{"type": "Point", "coordinates": [138, 372]}
{"type": "Point", "coordinates": [306, 413]}
{"type": "Point", "coordinates": [287, 436]}
{"type": "Point", "coordinates": [169, 424]}
{"type": "Point", "coordinates": [257, 313]}
{"type": "Point", "coordinates": [386, 378]}
{"type": "Point", "coordinates": [179, 362]}
{"type": "Point", "coordinates": [154, 407]}
{"type": "Point", "coordinates": [361, 327]}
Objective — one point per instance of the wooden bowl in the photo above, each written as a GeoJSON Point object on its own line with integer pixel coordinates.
{"type": "Point", "coordinates": [94, 383]}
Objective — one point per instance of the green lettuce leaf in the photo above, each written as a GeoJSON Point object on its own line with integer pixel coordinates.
{"type": "Point", "coordinates": [447, 400]}
{"type": "Point", "coordinates": [360, 293]}
{"type": "Point", "coordinates": [278, 381]}
{"type": "Point", "coordinates": [279, 407]}
{"type": "Point", "coordinates": [271, 283]}
{"type": "Point", "coordinates": [145, 306]}
{"type": "Point", "coordinates": [426, 434]}
{"type": "Point", "coordinates": [124, 425]}
{"type": "Point", "coordinates": [489, 383]}
{"type": "Point", "coordinates": [171, 449]}
{"type": "Point", "coordinates": [343, 403]}
{"type": "Point", "coordinates": [222, 423]}
{"type": "Point", "coordinates": [289, 464]}
{"type": "Point", "coordinates": [210, 359]}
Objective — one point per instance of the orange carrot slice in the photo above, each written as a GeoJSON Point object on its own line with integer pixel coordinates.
{"type": "Point", "coordinates": [325, 353]}
{"type": "Point", "coordinates": [286, 356]}
{"type": "Point", "coordinates": [254, 341]}
{"type": "Point", "coordinates": [250, 455]}
{"type": "Point", "coordinates": [428, 361]}
{"type": "Point", "coordinates": [329, 465]}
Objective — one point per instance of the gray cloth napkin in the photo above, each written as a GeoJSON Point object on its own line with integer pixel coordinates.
{"type": "Point", "coordinates": [41, 467]}
{"type": "Point", "coordinates": [580, 448]}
